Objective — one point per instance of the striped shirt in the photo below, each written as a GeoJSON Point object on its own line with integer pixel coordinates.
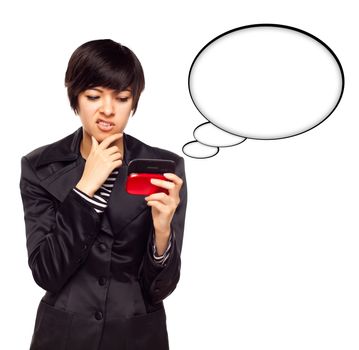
{"type": "Point", "coordinates": [102, 195]}
{"type": "Point", "coordinates": [99, 203]}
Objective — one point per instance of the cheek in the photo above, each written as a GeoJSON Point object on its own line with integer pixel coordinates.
{"type": "Point", "coordinates": [91, 106]}
{"type": "Point", "coordinates": [130, 107]}
{"type": "Point", "coordinates": [87, 111]}
{"type": "Point", "coordinates": [125, 111]}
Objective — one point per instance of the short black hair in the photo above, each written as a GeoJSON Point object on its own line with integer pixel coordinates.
{"type": "Point", "coordinates": [106, 63]}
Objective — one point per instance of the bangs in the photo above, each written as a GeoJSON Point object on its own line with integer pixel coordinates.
{"type": "Point", "coordinates": [116, 73]}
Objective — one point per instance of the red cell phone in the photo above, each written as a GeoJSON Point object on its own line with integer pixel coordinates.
{"type": "Point", "coordinates": [141, 171]}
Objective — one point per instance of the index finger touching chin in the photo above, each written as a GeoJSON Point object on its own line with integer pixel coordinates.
{"type": "Point", "coordinates": [110, 139]}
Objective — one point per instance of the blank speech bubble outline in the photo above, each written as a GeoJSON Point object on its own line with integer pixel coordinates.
{"type": "Point", "coordinates": [218, 131]}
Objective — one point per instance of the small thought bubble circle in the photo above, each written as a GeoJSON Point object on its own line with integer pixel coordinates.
{"type": "Point", "coordinates": [198, 150]}
{"type": "Point", "coordinates": [266, 81]}
{"type": "Point", "coordinates": [210, 135]}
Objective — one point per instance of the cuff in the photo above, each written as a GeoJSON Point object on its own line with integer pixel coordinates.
{"type": "Point", "coordinates": [161, 259]}
{"type": "Point", "coordinates": [98, 206]}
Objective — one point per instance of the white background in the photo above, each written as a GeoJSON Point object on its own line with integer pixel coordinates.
{"type": "Point", "coordinates": [270, 254]}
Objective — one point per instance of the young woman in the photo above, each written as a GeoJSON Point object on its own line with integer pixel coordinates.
{"type": "Point", "coordinates": [106, 258]}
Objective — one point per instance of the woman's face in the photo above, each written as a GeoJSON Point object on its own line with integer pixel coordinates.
{"type": "Point", "coordinates": [104, 111]}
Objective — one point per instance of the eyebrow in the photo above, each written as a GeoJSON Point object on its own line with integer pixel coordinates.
{"type": "Point", "coordinates": [115, 91]}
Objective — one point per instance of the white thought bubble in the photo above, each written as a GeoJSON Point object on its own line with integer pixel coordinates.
{"type": "Point", "coordinates": [263, 81]}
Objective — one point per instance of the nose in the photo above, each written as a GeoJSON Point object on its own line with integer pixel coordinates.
{"type": "Point", "coordinates": [107, 107]}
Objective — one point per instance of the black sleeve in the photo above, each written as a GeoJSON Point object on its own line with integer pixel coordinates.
{"type": "Point", "coordinates": [58, 237]}
{"type": "Point", "coordinates": [159, 281]}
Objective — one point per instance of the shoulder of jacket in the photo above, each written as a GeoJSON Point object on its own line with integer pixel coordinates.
{"type": "Point", "coordinates": [37, 153]}
{"type": "Point", "coordinates": [38, 160]}
{"type": "Point", "coordinates": [155, 152]}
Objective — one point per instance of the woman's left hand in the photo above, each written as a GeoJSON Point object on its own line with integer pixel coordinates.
{"type": "Point", "coordinates": [164, 205]}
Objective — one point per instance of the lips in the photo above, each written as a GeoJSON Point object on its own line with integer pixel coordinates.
{"type": "Point", "coordinates": [104, 125]}
{"type": "Point", "coordinates": [106, 122]}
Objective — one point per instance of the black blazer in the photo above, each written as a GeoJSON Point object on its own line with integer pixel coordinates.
{"type": "Point", "coordinates": [103, 289]}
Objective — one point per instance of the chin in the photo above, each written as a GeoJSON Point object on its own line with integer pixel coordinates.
{"type": "Point", "coordinates": [100, 136]}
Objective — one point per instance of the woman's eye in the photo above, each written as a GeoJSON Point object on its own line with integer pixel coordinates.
{"type": "Point", "coordinates": [123, 99]}
{"type": "Point", "coordinates": [92, 98]}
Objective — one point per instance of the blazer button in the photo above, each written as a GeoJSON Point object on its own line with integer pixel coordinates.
{"type": "Point", "coordinates": [102, 247]}
{"type": "Point", "coordinates": [98, 315]}
{"type": "Point", "coordinates": [102, 281]}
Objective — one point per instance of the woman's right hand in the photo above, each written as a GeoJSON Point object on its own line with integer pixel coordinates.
{"type": "Point", "coordinates": [100, 163]}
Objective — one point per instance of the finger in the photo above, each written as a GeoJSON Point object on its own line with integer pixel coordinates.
{"type": "Point", "coordinates": [117, 164]}
{"type": "Point", "coordinates": [108, 140]}
{"type": "Point", "coordinates": [160, 196]}
{"type": "Point", "coordinates": [170, 201]}
{"type": "Point", "coordinates": [174, 178]}
{"type": "Point", "coordinates": [158, 205]}
{"type": "Point", "coordinates": [113, 149]}
{"type": "Point", "coordinates": [168, 185]}
{"type": "Point", "coordinates": [115, 156]}
{"type": "Point", "coordinates": [177, 181]}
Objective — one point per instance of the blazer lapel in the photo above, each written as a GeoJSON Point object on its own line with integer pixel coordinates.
{"type": "Point", "coordinates": [123, 207]}
{"type": "Point", "coordinates": [60, 165]}
{"type": "Point", "coordinates": [64, 160]}
{"type": "Point", "coordinates": [59, 185]}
